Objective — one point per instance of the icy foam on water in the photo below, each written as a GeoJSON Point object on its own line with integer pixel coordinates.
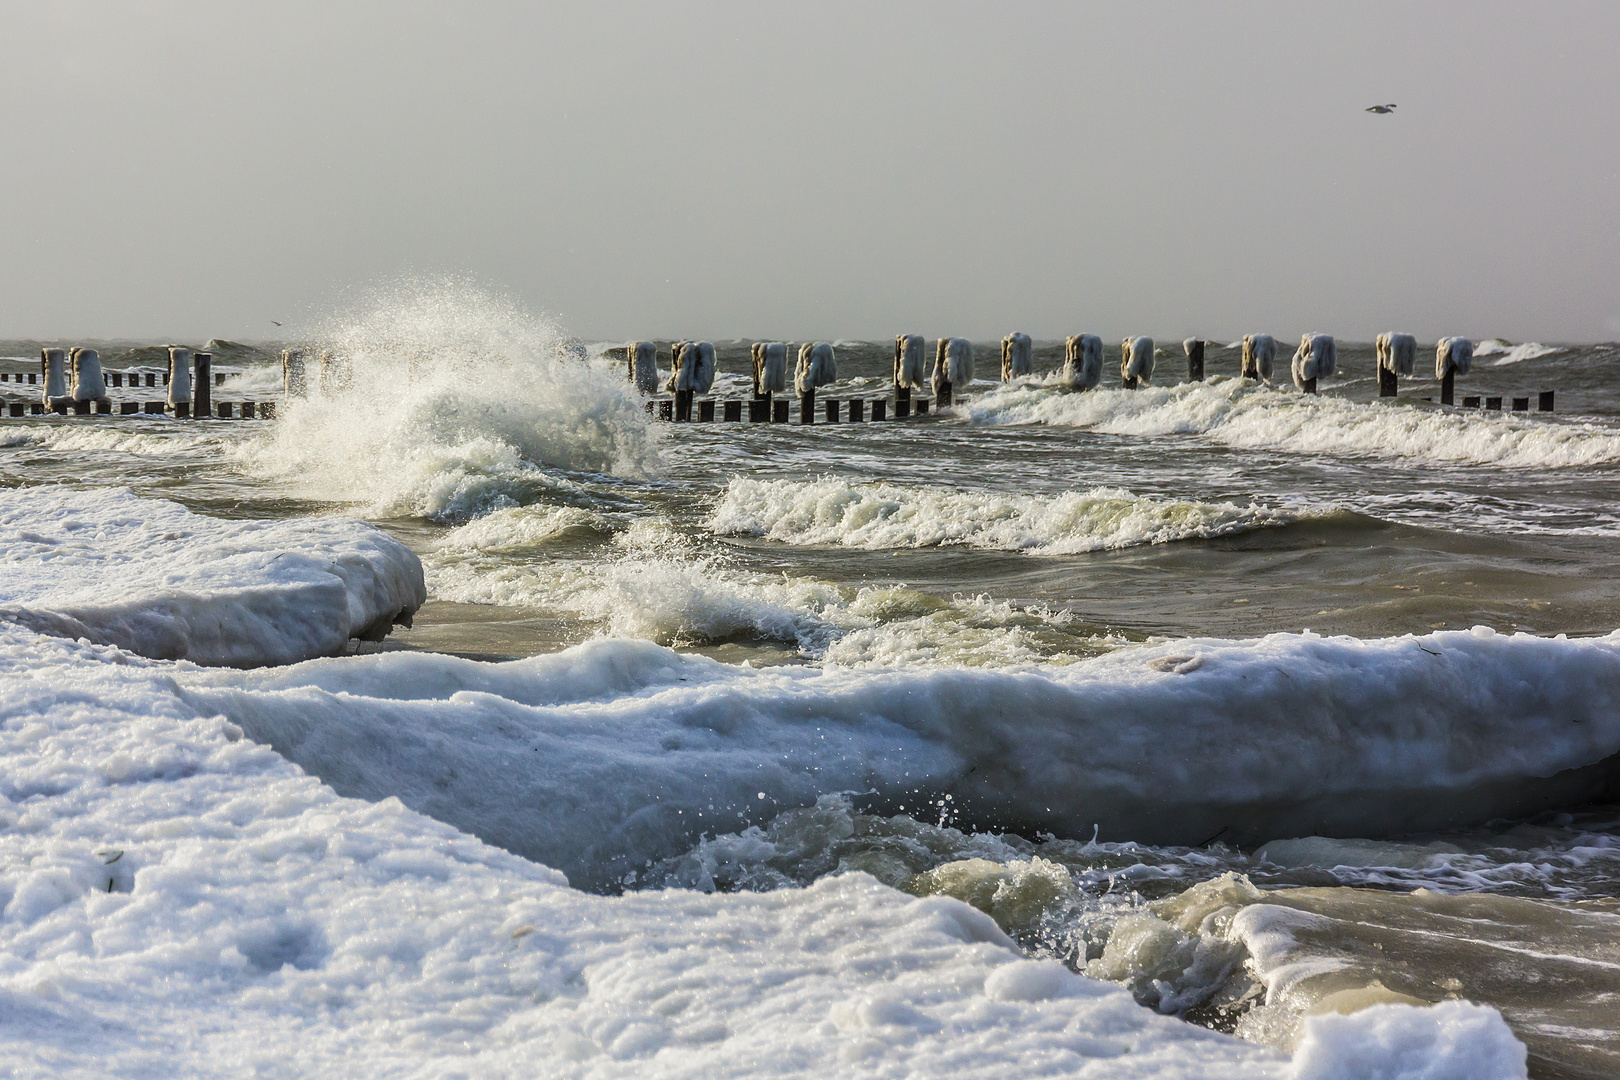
{"type": "Point", "coordinates": [451, 402]}
{"type": "Point", "coordinates": [1248, 416]}
{"type": "Point", "coordinates": [834, 511]}
{"type": "Point", "coordinates": [655, 583]}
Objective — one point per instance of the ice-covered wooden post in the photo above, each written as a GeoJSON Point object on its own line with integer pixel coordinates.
{"type": "Point", "coordinates": [910, 372]}
{"type": "Point", "coordinates": [643, 363]}
{"type": "Point", "coordinates": [180, 382]}
{"type": "Point", "coordinates": [818, 366]}
{"type": "Point", "coordinates": [89, 383]}
{"type": "Point", "coordinates": [292, 372]}
{"type": "Point", "coordinates": [53, 393]}
{"type": "Point", "coordinates": [1194, 348]}
{"type": "Point", "coordinates": [1082, 360]}
{"type": "Point", "coordinates": [1397, 356]}
{"type": "Point", "coordinates": [693, 375]}
{"type": "Point", "coordinates": [203, 384]}
{"type": "Point", "coordinates": [1136, 362]}
{"type": "Point", "coordinates": [1453, 356]}
{"type": "Point", "coordinates": [1017, 356]}
{"type": "Point", "coordinates": [770, 379]}
{"type": "Point", "coordinates": [953, 367]}
{"type": "Point", "coordinates": [1316, 357]}
{"type": "Point", "coordinates": [1259, 356]}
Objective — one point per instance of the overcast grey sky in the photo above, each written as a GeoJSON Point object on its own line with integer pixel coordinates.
{"type": "Point", "coordinates": [830, 169]}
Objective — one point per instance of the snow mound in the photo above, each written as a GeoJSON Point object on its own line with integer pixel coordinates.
{"type": "Point", "coordinates": [155, 579]}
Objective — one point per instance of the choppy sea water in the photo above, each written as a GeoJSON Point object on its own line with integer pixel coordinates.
{"type": "Point", "coordinates": [1028, 528]}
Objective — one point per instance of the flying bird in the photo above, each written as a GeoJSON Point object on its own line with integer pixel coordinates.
{"type": "Point", "coordinates": [274, 323]}
{"type": "Point", "coordinates": [1381, 109]}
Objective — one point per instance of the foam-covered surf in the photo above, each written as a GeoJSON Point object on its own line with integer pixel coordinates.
{"type": "Point", "coordinates": [450, 402]}
{"type": "Point", "coordinates": [1250, 416]}
{"type": "Point", "coordinates": [833, 511]}
{"type": "Point", "coordinates": [649, 580]}
{"type": "Point", "coordinates": [153, 578]}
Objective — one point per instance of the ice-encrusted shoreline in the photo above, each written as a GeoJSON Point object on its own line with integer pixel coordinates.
{"type": "Point", "coordinates": [155, 579]}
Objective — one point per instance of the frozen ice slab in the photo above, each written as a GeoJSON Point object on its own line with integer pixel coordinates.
{"type": "Point", "coordinates": [152, 577]}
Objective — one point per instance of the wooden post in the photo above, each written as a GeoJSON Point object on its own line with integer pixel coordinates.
{"type": "Point", "coordinates": [1545, 403]}
{"type": "Point", "coordinates": [1129, 382]}
{"type": "Point", "coordinates": [117, 378]}
{"type": "Point", "coordinates": [1493, 404]}
{"type": "Point", "coordinates": [224, 410]}
{"type": "Point", "coordinates": [155, 408]}
{"type": "Point", "coordinates": [706, 410]}
{"type": "Point", "coordinates": [857, 411]}
{"type": "Point", "coordinates": [1448, 387]}
{"type": "Point", "coordinates": [807, 406]}
{"type": "Point", "coordinates": [922, 406]}
{"type": "Point", "coordinates": [18, 408]}
{"type": "Point", "coordinates": [1310, 386]}
{"type": "Point", "coordinates": [879, 409]}
{"type": "Point", "coordinates": [1195, 360]}
{"type": "Point", "coordinates": [683, 406]}
{"type": "Point", "coordinates": [759, 410]}
{"type": "Point", "coordinates": [779, 412]}
{"type": "Point", "coordinates": [102, 407]}
{"type": "Point", "coordinates": [129, 408]}
{"type": "Point", "coordinates": [732, 412]}
{"type": "Point", "coordinates": [1386, 382]}
{"type": "Point", "coordinates": [666, 410]}
{"type": "Point", "coordinates": [292, 373]}
{"type": "Point", "coordinates": [81, 408]}
{"type": "Point", "coordinates": [202, 386]}
{"type": "Point", "coordinates": [247, 410]}
{"type": "Point", "coordinates": [832, 410]}
{"type": "Point", "coordinates": [902, 402]}
{"type": "Point", "coordinates": [1471, 401]}
{"type": "Point", "coordinates": [942, 397]}
{"type": "Point", "coordinates": [1521, 404]}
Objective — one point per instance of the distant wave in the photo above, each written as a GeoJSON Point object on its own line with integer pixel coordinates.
{"type": "Point", "coordinates": [833, 511]}
{"type": "Point", "coordinates": [1242, 414]}
{"type": "Point", "coordinates": [1509, 353]}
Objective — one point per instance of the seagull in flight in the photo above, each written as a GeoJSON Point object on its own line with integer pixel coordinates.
{"type": "Point", "coordinates": [273, 322]}
{"type": "Point", "coordinates": [1381, 109]}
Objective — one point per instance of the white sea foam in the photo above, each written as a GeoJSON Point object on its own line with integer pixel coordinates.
{"type": "Point", "coordinates": [452, 402]}
{"type": "Point", "coordinates": [1240, 414]}
{"type": "Point", "coordinates": [1508, 353]}
{"type": "Point", "coordinates": [835, 512]}
{"type": "Point", "coordinates": [156, 579]}
{"type": "Point", "coordinates": [657, 584]}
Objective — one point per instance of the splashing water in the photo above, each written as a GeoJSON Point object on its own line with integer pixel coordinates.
{"type": "Point", "coordinates": [445, 401]}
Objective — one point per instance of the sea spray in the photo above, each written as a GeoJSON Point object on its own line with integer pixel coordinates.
{"type": "Point", "coordinates": [451, 401]}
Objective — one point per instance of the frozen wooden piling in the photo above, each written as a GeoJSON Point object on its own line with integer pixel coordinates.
{"type": "Point", "coordinates": [53, 370]}
{"type": "Point", "coordinates": [1136, 362]}
{"type": "Point", "coordinates": [89, 383]}
{"type": "Point", "coordinates": [910, 372]}
{"type": "Point", "coordinates": [643, 366]}
{"type": "Point", "coordinates": [180, 381]}
{"type": "Point", "coordinates": [1397, 358]}
{"type": "Point", "coordinates": [818, 366]}
{"type": "Point", "coordinates": [1259, 356]}
{"type": "Point", "coordinates": [1082, 361]}
{"type": "Point", "coordinates": [953, 368]}
{"type": "Point", "coordinates": [1453, 356]}
{"type": "Point", "coordinates": [203, 384]}
{"type": "Point", "coordinates": [1017, 356]}
{"type": "Point", "coordinates": [292, 373]}
{"type": "Point", "coordinates": [770, 378]}
{"type": "Point", "coordinates": [1194, 348]}
{"type": "Point", "coordinates": [1317, 357]}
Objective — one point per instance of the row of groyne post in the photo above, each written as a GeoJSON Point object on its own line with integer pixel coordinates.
{"type": "Point", "coordinates": [950, 367]}
{"type": "Point", "coordinates": [72, 382]}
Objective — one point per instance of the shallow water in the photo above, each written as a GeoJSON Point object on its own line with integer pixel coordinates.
{"type": "Point", "coordinates": [1029, 526]}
